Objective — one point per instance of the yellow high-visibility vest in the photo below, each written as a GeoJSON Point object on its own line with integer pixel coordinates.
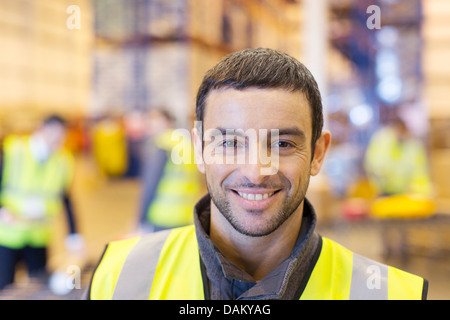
{"type": "Point", "coordinates": [166, 266]}
{"type": "Point", "coordinates": [179, 188]}
{"type": "Point", "coordinates": [397, 168]}
{"type": "Point", "coordinates": [26, 180]}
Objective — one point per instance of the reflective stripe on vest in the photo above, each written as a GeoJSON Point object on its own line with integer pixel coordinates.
{"type": "Point", "coordinates": [158, 274]}
{"type": "Point", "coordinates": [369, 279]}
{"type": "Point", "coordinates": [136, 277]}
{"type": "Point", "coordinates": [166, 266]}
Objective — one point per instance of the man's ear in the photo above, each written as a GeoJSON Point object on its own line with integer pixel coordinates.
{"type": "Point", "coordinates": [198, 149]}
{"type": "Point", "coordinates": [320, 150]}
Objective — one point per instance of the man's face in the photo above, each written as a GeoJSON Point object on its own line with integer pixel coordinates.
{"type": "Point", "coordinates": [54, 135]}
{"type": "Point", "coordinates": [256, 204]}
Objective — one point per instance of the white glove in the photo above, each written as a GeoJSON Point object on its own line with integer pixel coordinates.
{"type": "Point", "coordinates": [74, 242]}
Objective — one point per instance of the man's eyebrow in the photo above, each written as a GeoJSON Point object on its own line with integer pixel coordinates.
{"type": "Point", "coordinates": [291, 131]}
{"type": "Point", "coordinates": [236, 132]}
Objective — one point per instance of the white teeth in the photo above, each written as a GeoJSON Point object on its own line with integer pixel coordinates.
{"type": "Point", "coordinates": [255, 196]}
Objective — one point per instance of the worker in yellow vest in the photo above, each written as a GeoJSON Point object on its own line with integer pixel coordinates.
{"type": "Point", "coordinates": [396, 162]}
{"type": "Point", "coordinates": [35, 176]}
{"type": "Point", "coordinates": [397, 167]}
{"type": "Point", "coordinates": [170, 190]}
{"type": "Point", "coordinates": [254, 232]}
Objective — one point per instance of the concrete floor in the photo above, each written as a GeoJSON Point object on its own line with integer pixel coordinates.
{"type": "Point", "coordinates": [106, 210]}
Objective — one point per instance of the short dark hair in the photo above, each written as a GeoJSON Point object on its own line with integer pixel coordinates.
{"type": "Point", "coordinates": [263, 68]}
{"type": "Point", "coordinates": [54, 119]}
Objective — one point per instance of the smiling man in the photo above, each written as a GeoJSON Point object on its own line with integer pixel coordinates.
{"type": "Point", "coordinates": [253, 236]}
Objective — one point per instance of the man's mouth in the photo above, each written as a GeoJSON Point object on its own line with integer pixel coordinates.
{"type": "Point", "coordinates": [255, 195]}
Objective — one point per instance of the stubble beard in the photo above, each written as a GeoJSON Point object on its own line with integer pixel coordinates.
{"type": "Point", "coordinates": [289, 206]}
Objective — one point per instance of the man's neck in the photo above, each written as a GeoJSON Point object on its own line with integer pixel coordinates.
{"type": "Point", "coordinates": [255, 255]}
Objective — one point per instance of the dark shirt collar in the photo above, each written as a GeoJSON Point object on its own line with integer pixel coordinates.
{"type": "Point", "coordinates": [227, 281]}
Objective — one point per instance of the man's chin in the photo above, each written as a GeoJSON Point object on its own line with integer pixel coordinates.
{"type": "Point", "coordinates": [254, 223]}
{"type": "Point", "coordinates": [251, 218]}
{"type": "Point", "coordinates": [252, 232]}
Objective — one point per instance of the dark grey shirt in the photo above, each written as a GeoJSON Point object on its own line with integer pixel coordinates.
{"type": "Point", "coordinates": [286, 281]}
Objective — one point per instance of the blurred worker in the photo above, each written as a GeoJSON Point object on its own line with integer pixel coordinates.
{"type": "Point", "coordinates": [396, 162]}
{"type": "Point", "coordinates": [254, 232]}
{"type": "Point", "coordinates": [35, 176]}
{"type": "Point", "coordinates": [135, 131]}
{"type": "Point", "coordinates": [170, 190]}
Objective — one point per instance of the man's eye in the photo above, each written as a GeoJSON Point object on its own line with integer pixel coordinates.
{"type": "Point", "coordinates": [283, 144]}
{"type": "Point", "coordinates": [233, 143]}
{"type": "Point", "coordinates": [229, 143]}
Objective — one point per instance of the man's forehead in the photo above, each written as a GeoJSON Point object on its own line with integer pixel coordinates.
{"type": "Point", "coordinates": [53, 127]}
{"type": "Point", "coordinates": [255, 108]}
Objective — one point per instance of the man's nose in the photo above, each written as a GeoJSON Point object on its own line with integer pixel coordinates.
{"type": "Point", "coordinates": [260, 163]}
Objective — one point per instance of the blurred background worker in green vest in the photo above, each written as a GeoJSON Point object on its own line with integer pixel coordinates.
{"type": "Point", "coordinates": [396, 164]}
{"type": "Point", "coordinates": [169, 190]}
{"type": "Point", "coordinates": [36, 172]}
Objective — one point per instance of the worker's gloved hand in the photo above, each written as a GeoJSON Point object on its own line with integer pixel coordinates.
{"type": "Point", "coordinates": [74, 242]}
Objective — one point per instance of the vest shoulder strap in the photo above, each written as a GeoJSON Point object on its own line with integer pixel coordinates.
{"type": "Point", "coordinates": [155, 266]}
{"type": "Point", "coordinates": [342, 274]}
{"type": "Point", "coordinates": [136, 277]}
{"type": "Point", "coordinates": [127, 268]}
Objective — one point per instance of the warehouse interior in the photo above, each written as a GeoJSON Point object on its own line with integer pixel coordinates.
{"type": "Point", "coordinates": [104, 64]}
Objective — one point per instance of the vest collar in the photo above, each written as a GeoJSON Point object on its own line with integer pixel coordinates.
{"type": "Point", "coordinates": [227, 281]}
